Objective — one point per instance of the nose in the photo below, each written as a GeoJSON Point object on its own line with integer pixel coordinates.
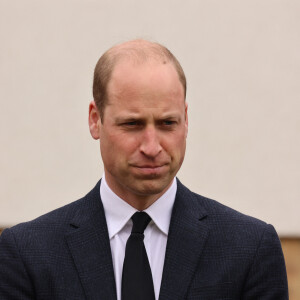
{"type": "Point", "coordinates": [150, 143]}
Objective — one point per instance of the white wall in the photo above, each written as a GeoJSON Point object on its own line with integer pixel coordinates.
{"type": "Point", "coordinates": [242, 61]}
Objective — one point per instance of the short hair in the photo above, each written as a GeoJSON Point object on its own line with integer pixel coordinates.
{"type": "Point", "coordinates": [137, 50]}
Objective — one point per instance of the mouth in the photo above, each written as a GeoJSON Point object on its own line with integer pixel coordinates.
{"type": "Point", "coordinates": [150, 170]}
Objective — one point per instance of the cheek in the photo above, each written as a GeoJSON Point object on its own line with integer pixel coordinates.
{"type": "Point", "coordinates": [119, 146]}
{"type": "Point", "coordinates": [178, 150]}
{"type": "Point", "coordinates": [175, 143]}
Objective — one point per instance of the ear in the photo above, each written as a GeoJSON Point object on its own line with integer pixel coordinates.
{"type": "Point", "coordinates": [186, 119]}
{"type": "Point", "coordinates": [94, 120]}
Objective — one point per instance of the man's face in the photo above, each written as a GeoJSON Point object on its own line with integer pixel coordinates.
{"type": "Point", "coordinates": [143, 134]}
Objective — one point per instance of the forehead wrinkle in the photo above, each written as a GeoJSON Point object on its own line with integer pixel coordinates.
{"type": "Point", "coordinates": [142, 99]}
{"type": "Point", "coordinates": [124, 89]}
{"type": "Point", "coordinates": [135, 113]}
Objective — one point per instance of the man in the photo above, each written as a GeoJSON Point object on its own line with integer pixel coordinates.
{"type": "Point", "coordinates": [193, 247]}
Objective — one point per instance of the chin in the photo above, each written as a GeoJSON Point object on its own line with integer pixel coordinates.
{"type": "Point", "coordinates": [152, 187]}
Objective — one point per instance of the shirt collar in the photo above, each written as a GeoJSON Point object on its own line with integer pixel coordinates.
{"type": "Point", "coordinates": [118, 212]}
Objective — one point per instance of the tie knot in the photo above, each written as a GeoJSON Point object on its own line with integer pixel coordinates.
{"type": "Point", "coordinates": [140, 222]}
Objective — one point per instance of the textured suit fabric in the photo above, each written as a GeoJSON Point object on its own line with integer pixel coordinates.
{"type": "Point", "coordinates": [213, 252]}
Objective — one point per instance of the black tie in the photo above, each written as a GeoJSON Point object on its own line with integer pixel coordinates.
{"type": "Point", "coordinates": [137, 281]}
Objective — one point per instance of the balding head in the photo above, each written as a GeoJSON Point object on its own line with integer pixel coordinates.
{"type": "Point", "coordinates": [136, 51]}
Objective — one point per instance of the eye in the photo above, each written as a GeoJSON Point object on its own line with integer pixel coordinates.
{"type": "Point", "coordinates": [131, 123]}
{"type": "Point", "coordinates": [168, 122]}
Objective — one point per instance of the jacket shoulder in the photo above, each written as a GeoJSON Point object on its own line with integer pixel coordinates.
{"type": "Point", "coordinates": [223, 219]}
{"type": "Point", "coordinates": [59, 218]}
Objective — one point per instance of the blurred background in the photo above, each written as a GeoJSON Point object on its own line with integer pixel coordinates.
{"type": "Point", "coordinates": [242, 62]}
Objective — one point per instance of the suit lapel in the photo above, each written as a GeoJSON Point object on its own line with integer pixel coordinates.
{"type": "Point", "coordinates": [186, 239]}
{"type": "Point", "coordinates": [89, 245]}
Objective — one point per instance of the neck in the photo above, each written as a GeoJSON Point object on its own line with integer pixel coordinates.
{"type": "Point", "coordinates": [137, 200]}
{"type": "Point", "coordinates": [140, 202]}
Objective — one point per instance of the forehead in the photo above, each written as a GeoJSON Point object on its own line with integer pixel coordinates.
{"type": "Point", "coordinates": [151, 78]}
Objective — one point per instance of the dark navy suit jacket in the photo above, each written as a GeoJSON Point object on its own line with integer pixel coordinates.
{"type": "Point", "coordinates": [213, 252]}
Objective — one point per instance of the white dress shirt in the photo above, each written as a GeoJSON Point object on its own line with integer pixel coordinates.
{"type": "Point", "coordinates": [118, 218]}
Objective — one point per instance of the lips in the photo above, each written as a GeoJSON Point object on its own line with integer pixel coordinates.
{"type": "Point", "coordinates": [150, 166]}
{"type": "Point", "coordinates": [149, 169]}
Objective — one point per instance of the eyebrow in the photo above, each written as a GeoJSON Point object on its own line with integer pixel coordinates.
{"type": "Point", "coordinates": [135, 117]}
